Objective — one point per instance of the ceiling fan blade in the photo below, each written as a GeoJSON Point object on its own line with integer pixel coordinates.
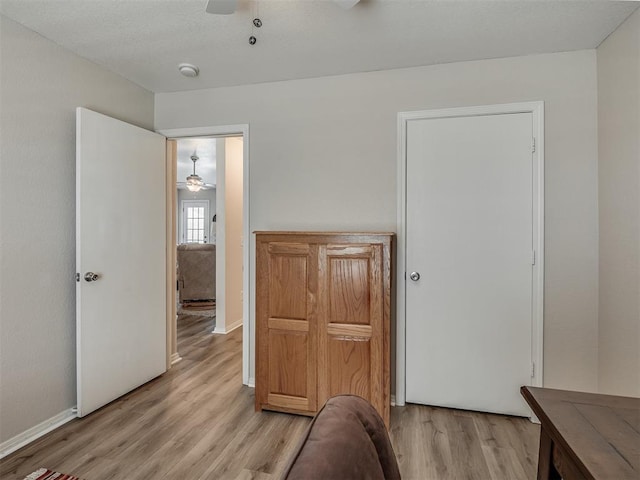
{"type": "Point", "coordinates": [205, 186]}
{"type": "Point", "coordinates": [346, 4]}
{"type": "Point", "coordinates": [222, 7]}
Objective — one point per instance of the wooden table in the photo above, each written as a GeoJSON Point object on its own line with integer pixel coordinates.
{"type": "Point", "coordinates": [586, 435]}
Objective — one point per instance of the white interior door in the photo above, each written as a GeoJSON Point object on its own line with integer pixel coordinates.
{"type": "Point", "coordinates": [469, 237]}
{"type": "Point", "coordinates": [121, 238]}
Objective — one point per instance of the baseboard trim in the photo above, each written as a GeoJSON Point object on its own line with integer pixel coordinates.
{"type": "Point", "coordinates": [36, 432]}
{"type": "Point", "coordinates": [251, 383]}
{"type": "Point", "coordinates": [396, 403]}
{"type": "Point", "coordinates": [175, 358]}
{"type": "Point", "coordinates": [228, 329]}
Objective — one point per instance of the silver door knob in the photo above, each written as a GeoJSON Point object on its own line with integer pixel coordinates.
{"type": "Point", "coordinates": [415, 276]}
{"type": "Point", "coordinates": [91, 277]}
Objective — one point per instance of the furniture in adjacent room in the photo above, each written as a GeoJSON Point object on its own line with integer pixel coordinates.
{"type": "Point", "coordinates": [346, 440]}
{"type": "Point", "coordinates": [586, 435]}
{"type": "Point", "coordinates": [196, 272]}
{"type": "Point", "coordinates": [322, 319]}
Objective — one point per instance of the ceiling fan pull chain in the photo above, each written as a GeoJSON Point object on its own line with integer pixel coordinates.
{"type": "Point", "coordinates": [257, 23]}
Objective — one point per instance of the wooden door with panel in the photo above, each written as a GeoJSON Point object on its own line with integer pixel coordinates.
{"type": "Point", "coordinates": [286, 326]}
{"type": "Point", "coordinates": [353, 330]}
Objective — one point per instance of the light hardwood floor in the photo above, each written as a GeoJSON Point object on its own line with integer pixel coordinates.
{"type": "Point", "coordinates": [198, 422]}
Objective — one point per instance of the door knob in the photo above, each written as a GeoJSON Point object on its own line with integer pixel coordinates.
{"type": "Point", "coordinates": [415, 276]}
{"type": "Point", "coordinates": [91, 277]}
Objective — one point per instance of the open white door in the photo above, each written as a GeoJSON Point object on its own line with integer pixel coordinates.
{"type": "Point", "coordinates": [121, 238]}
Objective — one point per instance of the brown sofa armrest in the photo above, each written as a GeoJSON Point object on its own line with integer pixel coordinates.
{"type": "Point", "coordinates": [346, 440]}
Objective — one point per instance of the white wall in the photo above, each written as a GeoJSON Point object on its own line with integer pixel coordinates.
{"type": "Point", "coordinates": [233, 160]}
{"type": "Point", "coordinates": [42, 84]}
{"type": "Point", "coordinates": [229, 234]}
{"type": "Point", "coordinates": [323, 156]}
{"type": "Point", "coordinates": [619, 201]}
{"type": "Point", "coordinates": [221, 239]}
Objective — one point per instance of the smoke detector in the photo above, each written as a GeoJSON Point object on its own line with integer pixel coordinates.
{"type": "Point", "coordinates": [188, 70]}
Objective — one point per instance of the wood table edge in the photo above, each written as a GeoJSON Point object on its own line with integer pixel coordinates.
{"type": "Point", "coordinates": [554, 433]}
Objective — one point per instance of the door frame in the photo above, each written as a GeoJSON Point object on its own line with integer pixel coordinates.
{"type": "Point", "coordinates": [247, 297]}
{"type": "Point", "coordinates": [537, 304]}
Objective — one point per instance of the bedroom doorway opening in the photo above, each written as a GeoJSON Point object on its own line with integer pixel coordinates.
{"type": "Point", "coordinates": [195, 247]}
{"type": "Point", "coordinates": [209, 222]}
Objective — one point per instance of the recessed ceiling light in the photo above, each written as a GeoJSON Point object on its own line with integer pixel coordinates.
{"type": "Point", "coordinates": [188, 70]}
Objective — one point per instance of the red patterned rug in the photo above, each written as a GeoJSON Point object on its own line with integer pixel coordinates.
{"type": "Point", "coordinates": [45, 474]}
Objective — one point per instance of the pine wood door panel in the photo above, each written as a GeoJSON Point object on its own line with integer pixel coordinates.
{"type": "Point", "coordinates": [286, 355]}
{"type": "Point", "coordinates": [351, 353]}
{"type": "Point", "coordinates": [288, 284]}
{"type": "Point", "coordinates": [350, 366]}
{"type": "Point", "coordinates": [349, 290]}
{"type": "Point", "coordinates": [288, 360]}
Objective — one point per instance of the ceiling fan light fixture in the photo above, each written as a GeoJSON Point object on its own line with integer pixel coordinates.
{"type": "Point", "coordinates": [194, 183]}
{"type": "Point", "coordinates": [188, 70]}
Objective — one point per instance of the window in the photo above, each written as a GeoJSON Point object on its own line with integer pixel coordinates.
{"type": "Point", "coordinates": [195, 221]}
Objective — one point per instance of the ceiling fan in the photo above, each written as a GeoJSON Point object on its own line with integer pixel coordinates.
{"type": "Point", "coordinates": [227, 7]}
{"type": "Point", "coordinates": [194, 181]}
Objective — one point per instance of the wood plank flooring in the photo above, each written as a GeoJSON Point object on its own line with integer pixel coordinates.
{"type": "Point", "coordinates": [197, 422]}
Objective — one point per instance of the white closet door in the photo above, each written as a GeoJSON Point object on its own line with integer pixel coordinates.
{"type": "Point", "coordinates": [469, 237]}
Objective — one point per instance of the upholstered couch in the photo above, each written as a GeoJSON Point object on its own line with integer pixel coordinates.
{"type": "Point", "coordinates": [196, 272]}
{"type": "Point", "coordinates": [347, 440]}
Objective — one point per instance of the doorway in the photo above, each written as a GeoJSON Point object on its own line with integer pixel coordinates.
{"type": "Point", "coordinates": [228, 229]}
{"type": "Point", "coordinates": [470, 256]}
{"type": "Point", "coordinates": [196, 161]}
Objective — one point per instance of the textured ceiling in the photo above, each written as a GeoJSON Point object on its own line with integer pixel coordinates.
{"type": "Point", "coordinates": [145, 40]}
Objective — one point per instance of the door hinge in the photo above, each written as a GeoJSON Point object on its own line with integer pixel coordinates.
{"type": "Point", "coordinates": [533, 145]}
{"type": "Point", "coordinates": [533, 257]}
{"type": "Point", "coordinates": [533, 369]}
